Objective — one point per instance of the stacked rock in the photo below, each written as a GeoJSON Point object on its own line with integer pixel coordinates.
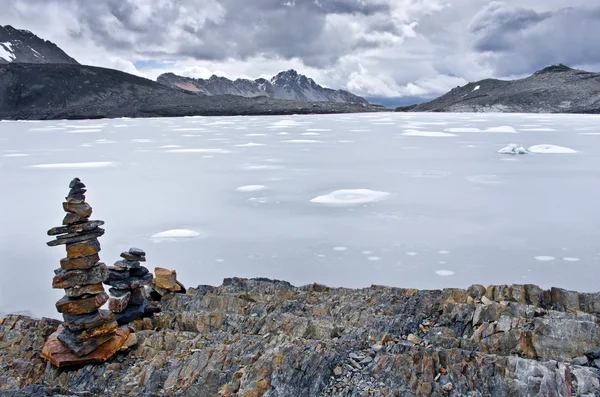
{"type": "Point", "coordinates": [81, 274]}
{"type": "Point", "coordinates": [165, 282]}
{"type": "Point", "coordinates": [127, 278]}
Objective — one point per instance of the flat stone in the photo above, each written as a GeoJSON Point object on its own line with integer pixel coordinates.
{"type": "Point", "coordinates": [117, 273]}
{"type": "Point", "coordinates": [71, 219]}
{"type": "Point", "coordinates": [593, 354]}
{"type": "Point", "coordinates": [412, 338]}
{"type": "Point", "coordinates": [139, 272]}
{"type": "Point", "coordinates": [76, 184]}
{"type": "Point", "coordinates": [117, 304]}
{"type": "Point", "coordinates": [81, 347]}
{"type": "Point", "coordinates": [580, 361]}
{"type": "Point", "coordinates": [82, 209]}
{"type": "Point", "coordinates": [73, 278]}
{"type": "Point", "coordinates": [76, 228]}
{"type": "Point", "coordinates": [165, 278]}
{"type": "Point", "coordinates": [60, 356]}
{"type": "Point", "coordinates": [101, 330]}
{"type": "Point", "coordinates": [128, 256]}
{"type": "Point", "coordinates": [76, 237]}
{"type": "Point", "coordinates": [83, 305]}
{"type": "Point", "coordinates": [75, 198]}
{"type": "Point", "coordinates": [80, 290]}
{"type": "Point", "coordinates": [80, 322]}
{"type": "Point", "coordinates": [77, 190]}
{"type": "Point", "coordinates": [137, 251]}
{"type": "Point", "coordinates": [131, 313]}
{"type": "Point", "coordinates": [84, 248]}
{"type": "Point", "coordinates": [130, 342]}
{"type": "Point", "coordinates": [131, 282]}
{"type": "Point", "coordinates": [83, 263]}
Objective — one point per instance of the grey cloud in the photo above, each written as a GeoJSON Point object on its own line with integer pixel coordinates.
{"type": "Point", "coordinates": [519, 40]}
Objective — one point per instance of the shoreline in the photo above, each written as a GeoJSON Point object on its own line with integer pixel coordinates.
{"type": "Point", "coordinates": [254, 337]}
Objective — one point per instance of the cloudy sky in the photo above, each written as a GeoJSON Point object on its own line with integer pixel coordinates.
{"type": "Point", "coordinates": [391, 48]}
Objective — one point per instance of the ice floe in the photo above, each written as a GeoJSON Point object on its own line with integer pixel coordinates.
{"type": "Point", "coordinates": [219, 151]}
{"type": "Point", "coordinates": [175, 234]}
{"type": "Point", "coordinates": [462, 129]}
{"type": "Point", "coordinates": [571, 259]}
{"type": "Point", "coordinates": [513, 148]}
{"type": "Point", "coordinates": [431, 134]}
{"type": "Point", "coordinates": [444, 273]}
{"type": "Point", "coordinates": [350, 196]}
{"type": "Point", "coordinates": [250, 188]}
{"type": "Point", "coordinates": [544, 258]}
{"type": "Point", "coordinates": [250, 144]}
{"type": "Point", "coordinates": [551, 149]}
{"type": "Point", "coordinates": [302, 141]}
{"type": "Point", "coordinates": [15, 155]}
{"type": "Point", "coordinates": [504, 128]}
{"type": "Point", "coordinates": [91, 164]}
{"type": "Point", "coordinates": [340, 249]}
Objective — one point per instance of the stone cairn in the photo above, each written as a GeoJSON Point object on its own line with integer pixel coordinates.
{"type": "Point", "coordinates": [81, 274]}
{"type": "Point", "coordinates": [127, 278]}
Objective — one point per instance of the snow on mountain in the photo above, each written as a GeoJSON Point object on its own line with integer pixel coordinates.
{"type": "Point", "coordinates": [22, 46]}
{"type": "Point", "coordinates": [288, 85]}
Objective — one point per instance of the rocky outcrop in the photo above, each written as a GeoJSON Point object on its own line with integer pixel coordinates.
{"type": "Point", "coordinates": [288, 85]}
{"type": "Point", "coordinates": [22, 46]}
{"type": "Point", "coordinates": [267, 338]}
{"type": "Point", "coordinates": [555, 89]}
{"type": "Point", "coordinates": [53, 91]}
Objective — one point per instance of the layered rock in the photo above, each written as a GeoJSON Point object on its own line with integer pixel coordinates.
{"type": "Point", "coordinates": [128, 278]}
{"type": "Point", "coordinates": [81, 275]}
{"type": "Point", "coordinates": [165, 282]}
{"type": "Point", "coordinates": [268, 338]}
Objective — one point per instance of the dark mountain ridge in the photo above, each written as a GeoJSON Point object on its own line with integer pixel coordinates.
{"type": "Point", "coordinates": [22, 46]}
{"type": "Point", "coordinates": [554, 89]}
{"type": "Point", "coordinates": [72, 91]}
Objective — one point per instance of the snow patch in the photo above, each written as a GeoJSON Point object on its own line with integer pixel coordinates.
{"type": "Point", "coordinates": [476, 88]}
{"type": "Point", "coordinates": [571, 259]}
{"type": "Point", "coordinates": [544, 258]}
{"type": "Point", "coordinates": [174, 234]}
{"type": "Point", "coordinates": [503, 128]}
{"type": "Point", "coordinates": [170, 147]}
{"type": "Point", "coordinates": [6, 52]}
{"type": "Point", "coordinates": [351, 196]}
{"type": "Point", "coordinates": [551, 149]}
{"type": "Point", "coordinates": [444, 273]}
{"type": "Point", "coordinates": [219, 151]}
{"type": "Point", "coordinates": [250, 188]}
{"type": "Point", "coordinates": [340, 249]}
{"type": "Point", "coordinates": [462, 129]}
{"type": "Point", "coordinates": [431, 134]}
{"type": "Point", "coordinates": [250, 144]}
{"type": "Point", "coordinates": [513, 148]}
{"type": "Point", "coordinates": [302, 141]}
{"type": "Point", "coordinates": [91, 164]}
{"type": "Point", "coordinates": [15, 155]}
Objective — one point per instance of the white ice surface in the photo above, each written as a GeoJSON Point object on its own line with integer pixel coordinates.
{"type": "Point", "coordinates": [250, 188]}
{"type": "Point", "coordinates": [513, 148]}
{"type": "Point", "coordinates": [175, 234]}
{"type": "Point", "coordinates": [504, 128]}
{"type": "Point", "coordinates": [74, 166]}
{"type": "Point", "coordinates": [431, 134]}
{"type": "Point", "coordinates": [350, 196]}
{"type": "Point", "coordinates": [551, 149]}
{"type": "Point", "coordinates": [218, 151]}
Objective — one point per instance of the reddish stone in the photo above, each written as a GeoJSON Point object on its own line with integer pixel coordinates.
{"type": "Point", "coordinates": [86, 262]}
{"type": "Point", "coordinates": [84, 248]}
{"type": "Point", "coordinates": [68, 305]}
{"type": "Point", "coordinates": [118, 304]}
{"type": "Point", "coordinates": [81, 209]}
{"type": "Point", "coordinates": [60, 356]}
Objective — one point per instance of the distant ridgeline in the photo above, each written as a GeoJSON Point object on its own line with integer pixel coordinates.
{"type": "Point", "coordinates": [555, 89]}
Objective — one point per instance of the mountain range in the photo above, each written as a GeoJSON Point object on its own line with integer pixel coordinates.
{"type": "Point", "coordinates": [554, 89]}
{"type": "Point", "coordinates": [288, 85]}
{"type": "Point", "coordinates": [38, 80]}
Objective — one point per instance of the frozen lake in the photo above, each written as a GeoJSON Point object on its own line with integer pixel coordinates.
{"type": "Point", "coordinates": [426, 201]}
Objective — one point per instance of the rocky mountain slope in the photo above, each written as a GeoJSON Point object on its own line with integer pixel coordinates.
{"type": "Point", "coordinates": [260, 337]}
{"type": "Point", "coordinates": [70, 91]}
{"type": "Point", "coordinates": [288, 85]}
{"type": "Point", "coordinates": [22, 46]}
{"type": "Point", "coordinates": [555, 89]}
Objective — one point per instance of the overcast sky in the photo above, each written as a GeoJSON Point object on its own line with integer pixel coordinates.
{"type": "Point", "coordinates": [370, 47]}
